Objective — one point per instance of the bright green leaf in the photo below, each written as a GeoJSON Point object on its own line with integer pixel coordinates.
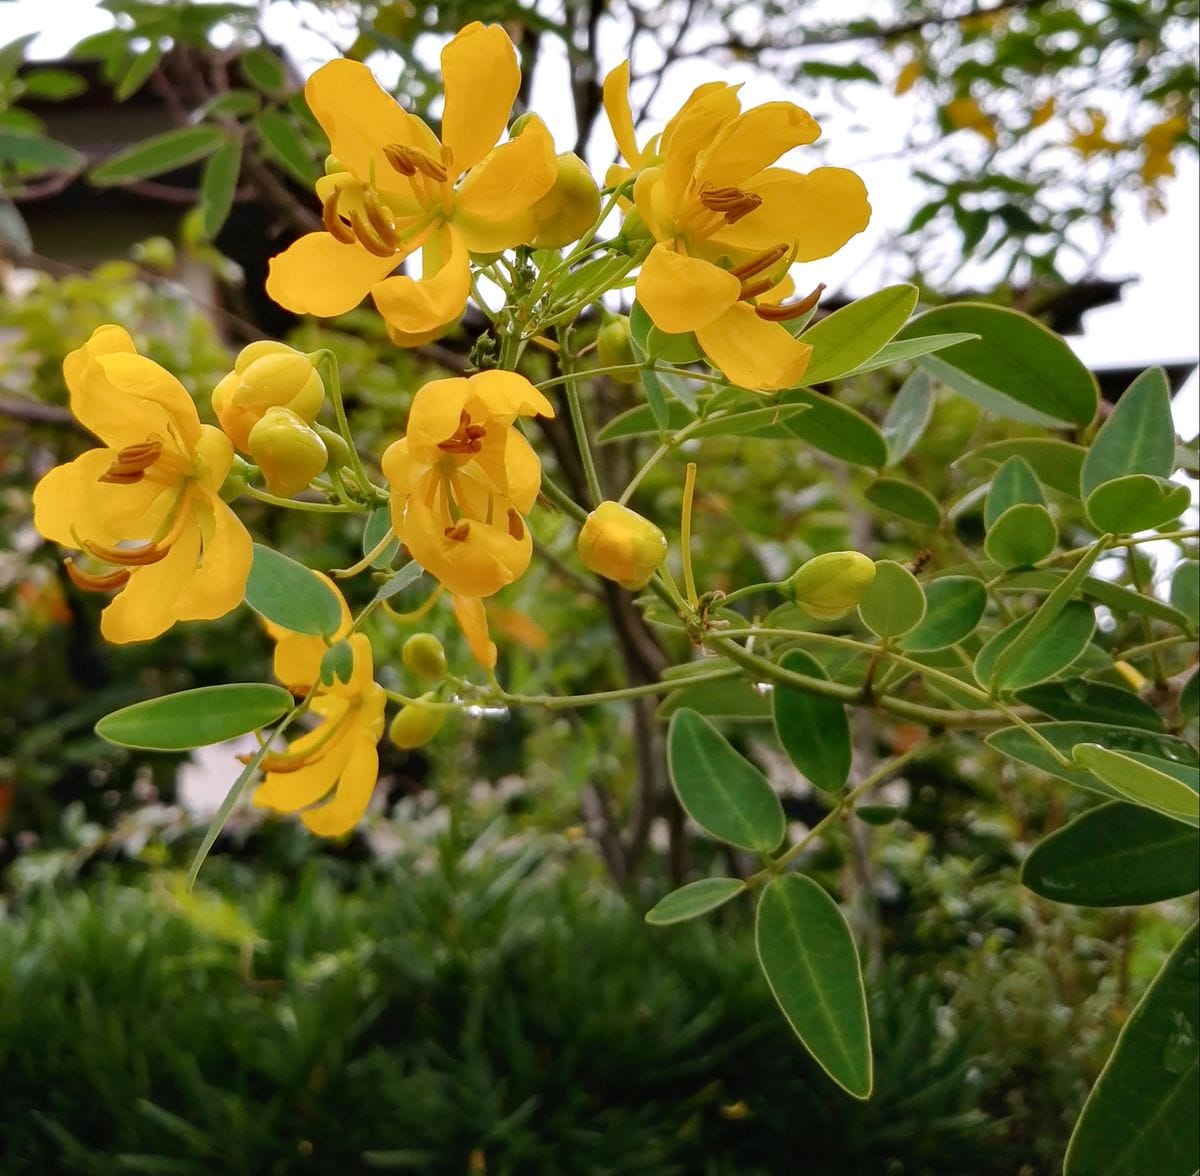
{"type": "Point", "coordinates": [814, 730]}
{"type": "Point", "coordinates": [195, 718]}
{"type": "Point", "coordinates": [264, 69]}
{"type": "Point", "coordinates": [138, 72]}
{"type": "Point", "coordinates": [30, 147]}
{"type": "Point", "coordinates": [161, 153]}
{"type": "Point", "coordinates": [1061, 645]}
{"type": "Point", "coordinates": [835, 429]}
{"type": "Point", "coordinates": [1185, 590]}
{"type": "Point", "coordinates": [1013, 484]}
{"type": "Point", "coordinates": [852, 334]}
{"type": "Point", "coordinates": [894, 603]}
{"type": "Point", "coordinates": [287, 146]}
{"type": "Point", "coordinates": [1136, 503]}
{"type": "Point", "coordinates": [291, 595]}
{"type": "Point", "coordinates": [1142, 782]}
{"type": "Point", "coordinates": [954, 606]}
{"type": "Point", "coordinates": [734, 698]}
{"type": "Point", "coordinates": [1137, 438]}
{"type": "Point", "coordinates": [218, 185]}
{"type": "Point", "coordinates": [749, 423]}
{"type": "Point", "coordinates": [695, 899]}
{"type": "Point", "coordinates": [639, 421]}
{"type": "Point", "coordinates": [904, 350]}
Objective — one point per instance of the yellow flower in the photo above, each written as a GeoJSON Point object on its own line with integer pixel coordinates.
{"type": "Point", "coordinates": [266, 375]}
{"type": "Point", "coordinates": [402, 190]}
{"type": "Point", "coordinates": [617, 543]}
{"type": "Point", "coordinates": [965, 114]}
{"type": "Point", "coordinates": [727, 226]}
{"type": "Point", "coordinates": [461, 480]}
{"type": "Point", "coordinates": [145, 505]}
{"type": "Point", "coordinates": [340, 754]}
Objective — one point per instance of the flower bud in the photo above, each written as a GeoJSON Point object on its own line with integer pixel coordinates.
{"type": "Point", "coordinates": [614, 348]}
{"type": "Point", "coordinates": [266, 375]}
{"type": "Point", "coordinates": [424, 656]}
{"type": "Point", "coordinates": [287, 450]}
{"type": "Point", "coordinates": [828, 586]}
{"type": "Point", "coordinates": [415, 725]}
{"type": "Point", "coordinates": [617, 543]}
{"type": "Point", "coordinates": [335, 446]}
{"type": "Point", "coordinates": [571, 206]}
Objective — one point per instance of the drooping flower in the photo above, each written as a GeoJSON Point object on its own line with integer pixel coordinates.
{"type": "Point", "coordinates": [462, 479]}
{"type": "Point", "coordinates": [145, 505]}
{"type": "Point", "coordinates": [340, 754]}
{"type": "Point", "coordinates": [727, 226]}
{"type": "Point", "coordinates": [401, 189]}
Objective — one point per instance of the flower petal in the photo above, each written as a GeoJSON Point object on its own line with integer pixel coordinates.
{"type": "Point", "coordinates": [145, 607]}
{"type": "Point", "coordinates": [439, 298]}
{"type": "Point", "coordinates": [141, 379]}
{"type": "Point", "coordinates": [482, 78]}
{"type": "Point", "coordinates": [620, 116]}
{"type": "Point", "coordinates": [434, 416]}
{"type": "Point", "coordinates": [752, 352]}
{"type": "Point", "coordinates": [507, 395]}
{"type": "Point", "coordinates": [289, 791]}
{"type": "Point", "coordinates": [319, 275]}
{"type": "Point", "coordinates": [354, 787]}
{"type": "Point", "coordinates": [479, 564]}
{"type": "Point", "coordinates": [218, 582]}
{"type": "Point", "coordinates": [472, 618]}
{"type": "Point", "coordinates": [697, 124]}
{"type": "Point", "coordinates": [684, 293]}
{"type": "Point", "coordinates": [753, 141]}
{"type": "Point", "coordinates": [514, 468]}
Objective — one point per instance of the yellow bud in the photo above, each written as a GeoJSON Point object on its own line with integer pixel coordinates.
{"type": "Point", "coordinates": [830, 585]}
{"type": "Point", "coordinates": [617, 543]}
{"type": "Point", "coordinates": [266, 375]}
{"type": "Point", "coordinates": [287, 450]}
{"type": "Point", "coordinates": [424, 656]}
{"type": "Point", "coordinates": [570, 208]}
{"type": "Point", "coordinates": [415, 725]}
{"type": "Point", "coordinates": [615, 347]}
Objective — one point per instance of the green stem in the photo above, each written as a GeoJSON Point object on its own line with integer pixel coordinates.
{"type": "Point", "coordinates": [562, 702]}
{"type": "Point", "coordinates": [563, 500]}
{"type": "Point", "coordinates": [334, 382]}
{"type": "Point", "coordinates": [578, 424]}
{"type": "Point", "coordinates": [297, 504]}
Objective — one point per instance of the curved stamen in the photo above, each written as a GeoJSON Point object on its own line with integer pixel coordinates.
{"type": "Point", "coordinates": [467, 438]}
{"type": "Point", "coordinates": [782, 312]}
{"type": "Point", "coordinates": [132, 463]}
{"type": "Point", "coordinates": [367, 237]}
{"type": "Point", "coordinates": [731, 203]}
{"type": "Point", "coordinates": [102, 582]}
{"type": "Point", "coordinates": [763, 261]}
{"type": "Point", "coordinates": [333, 221]}
{"type": "Point", "coordinates": [380, 218]}
{"type": "Point", "coordinates": [754, 289]}
{"type": "Point", "coordinates": [410, 160]}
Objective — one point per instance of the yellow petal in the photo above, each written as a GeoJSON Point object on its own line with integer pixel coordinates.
{"type": "Point", "coordinates": [684, 293]}
{"type": "Point", "coordinates": [653, 206]}
{"type": "Point", "coordinates": [813, 214]}
{"type": "Point", "coordinates": [145, 607]}
{"type": "Point", "coordinates": [139, 378]}
{"type": "Point", "coordinates": [472, 618]}
{"type": "Point", "coordinates": [507, 395]}
{"type": "Point", "coordinates": [752, 352]}
{"type": "Point", "coordinates": [620, 116]}
{"type": "Point", "coordinates": [514, 468]}
{"type": "Point", "coordinates": [354, 787]}
{"type": "Point", "coordinates": [103, 341]}
{"type": "Point", "coordinates": [289, 791]}
{"type": "Point", "coordinates": [697, 124]}
{"type": "Point", "coordinates": [319, 275]}
{"type": "Point", "coordinates": [360, 119]}
{"type": "Point", "coordinates": [482, 78]}
{"type": "Point", "coordinates": [218, 582]}
{"type": "Point", "coordinates": [479, 564]}
{"type": "Point", "coordinates": [753, 141]}
{"type": "Point", "coordinates": [494, 206]}
{"type": "Point", "coordinates": [438, 299]}
{"type": "Point", "coordinates": [435, 413]}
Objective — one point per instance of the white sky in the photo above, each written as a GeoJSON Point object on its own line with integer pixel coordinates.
{"type": "Point", "coordinates": [1157, 320]}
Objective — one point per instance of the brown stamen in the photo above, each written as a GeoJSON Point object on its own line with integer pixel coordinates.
{"type": "Point", "coordinates": [754, 289]}
{"type": "Point", "coordinates": [366, 237]}
{"type": "Point", "coordinates": [380, 217]}
{"type": "Point", "coordinates": [782, 312]}
{"type": "Point", "coordinates": [731, 203]}
{"type": "Point", "coordinates": [333, 221]}
{"type": "Point", "coordinates": [410, 160]}
{"type": "Point", "coordinates": [103, 582]}
{"type": "Point", "coordinates": [132, 463]}
{"type": "Point", "coordinates": [467, 438]}
{"type": "Point", "coordinates": [458, 532]}
{"type": "Point", "coordinates": [516, 525]}
{"type": "Point", "coordinates": [763, 261]}
{"type": "Point", "coordinates": [128, 557]}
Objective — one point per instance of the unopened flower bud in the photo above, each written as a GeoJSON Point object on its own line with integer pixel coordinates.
{"type": "Point", "coordinates": [415, 725]}
{"type": "Point", "coordinates": [614, 348]}
{"type": "Point", "coordinates": [287, 450]}
{"type": "Point", "coordinates": [571, 206]}
{"type": "Point", "coordinates": [617, 543]}
{"type": "Point", "coordinates": [335, 445]}
{"type": "Point", "coordinates": [266, 375]}
{"type": "Point", "coordinates": [424, 656]}
{"type": "Point", "coordinates": [828, 586]}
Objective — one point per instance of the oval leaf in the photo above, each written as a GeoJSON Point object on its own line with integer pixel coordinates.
{"type": "Point", "coordinates": [851, 335]}
{"type": "Point", "coordinates": [1091, 702]}
{"type": "Point", "coordinates": [218, 185]}
{"type": "Point", "coordinates": [720, 790]}
{"type": "Point", "coordinates": [195, 718]}
{"type": "Point", "coordinates": [835, 429]}
{"type": "Point", "coordinates": [1141, 1115]}
{"type": "Point", "coordinates": [894, 603]}
{"type": "Point", "coordinates": [1021, 536]}
{"type": "Point", "coordinates": [1013, 483]}
{"type": "Point", "coordinates": [291, 595]}
{"type": "Point", "coordinates": [809, 959]}
{"type": "Point", "coordinates": [1135, 503]}
{"type": "Point", "coordinates": [1185, 590]}
{"type": "Point", "coordinates": [814, 730]}
{"type": "Point", "coordinates": [954, 606]}
{"type": "Point", "coordinates": [1062, 643]}
{"type": "Point", "coordinates": [1115, 855]}
{"type": "Point", "coordinates": [908, 415]}
{"type": "Point", "coordinates": [1137, 438]}
{"type": "Point", "coordinates": [29, 147]}
{"type": "Point", "coordinates": [1056, 463]}
{"type": "Point", "coordinates": [697, 898]}
{"type": "Point", "coordinates": [162, 153]}
{"type": "Point", "coordinates": [287, 146]}
{"type": "Point", "coordinates": [906, 500]}
{"type": "Point", "coordinates": [1138, 780]}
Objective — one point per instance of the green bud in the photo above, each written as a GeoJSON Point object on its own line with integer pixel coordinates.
{"type": "Point", "coordinates": [828, 586]}
{"type": "Point", "coordinates": [424, 656]}
{"type": "Point", "coordinates": [571, 206]}
{"type": "Point", "coordinates": [614, 346]}
{"type": "Point", "coordinates": [416, 724]}
{"type": "Point", "coordinates": [335, 445]}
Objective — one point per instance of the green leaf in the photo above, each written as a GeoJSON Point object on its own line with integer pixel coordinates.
{"type": "Point", "coordinates": [894, 603]}
{"type": "Point", "coordinates": [138, 72]}
{"type": "Point", "coordinates": [53, 85]}
{"type": "Point", "coordinates": [905, 499]}
{"type": "Point", "coordinates": [264, 69]}
{"type": "Point", "coordinates": [814, 730]}
{"type": "Point", "coordinates": [954, 606]}
{"type": "Point", "coordinates": [161, 153]}
{"type": "Point", "coordinates": [907, 349]}
{"type": "Point", "coordinates": [337, 664]}
{"type": "Point", "coordinates": [851, 335]}
{"type": "Point", "coordinates": [287, 145]}
{"type": "Point", "coordinates": [1185, 590]}
{"type": "Point", "coordinates": [749, 423]}
{"type": "Point", "coordinates": [195, 718]}
{"type": "Point", "coordinates": [1091, 702]}
{"type": "Point", "coordinates": [232, 104]}
{"type": "Point", "coordinates": [379, 523]}
{"type": "Point", "coordinates": [1062, 643]}
{"type": "Point", "coordinates": [406, 576]}
{"type": "Point", "coordinates": [695, 899]}
{"type": "Point", "coordinates": [721, 791]}
{"type": "Point", "coordinates": [637, 422]}
{"type": "Point", "coordinates": [732, 699]}
{"type": "Point", "coordinates": [656, 396]}
{"type": "Point", "coordinates": [1142, 782]}
{"type": "Point", "coordinates": [1135, 503]}
{"type": "Point", "coordinates": [1115, 596]}
{"type": "Point", "coordinates": [1056, 463]}
{"type": "Point", "coordinates": [218, 185]}
{"type": "Point", "coordinates": [1189, 696]}
{"type": "Point", "coordinates": [1021, 536]}
{"type": "Point", "coordinates": [1013, 484]}
{"type": "Point", "coordinates": [811, 964]}
{"type": "Point", "coordinates": [835, 429]}
{"type": "Point", "coordinates": [30, 147]}
{"type": "Point", "coordinates": [908, 415]}
{"type": "Point", "coordinates": [1141, 1116]}
{"type": "Point", "coordinates": [1016, 368]}
{"type": "Point", "coordinates": [1115, 855]}
{"type": "Point", "coordinates": [291, 595]}
{"type": "Point", "coordinates": [1137, 438]}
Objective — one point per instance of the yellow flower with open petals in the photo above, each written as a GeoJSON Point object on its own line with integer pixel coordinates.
{"type": "Point", "coordinates": [340, 754]}
{"type": "Point", "coordinates": [461, 479]}
{"type": "Point", "coordinates": [402, 190]}
{"type": "Point", "coordinates": [727, 226]}
{"type": "Point", "coordinates": [146, 504]}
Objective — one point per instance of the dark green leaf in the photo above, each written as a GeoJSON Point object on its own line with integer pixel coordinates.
{"type": "Point", "coordinates": [379, 523]}
{"type": "Point", "coordinates": [894, 603]}
{"type": "Point", "coordinates": [905, 499]}
{"type": "Point", "coordinates": [903, 350]}
{"type": "Point", "coordinates": [697, 898]}
{"type": "Point", "coordinates": [809, 959]}
{"type": "Point", "coordinates": [1062, 644]}
{"type": "Point", "coordinates": [1091, 702]}
{"type": "Point", "coordinates": [30, 147]}
{"type": "Point", "coordinates": [195, 718]}
{"type": "Point", "coordinates": [1115, 855]}
{"type": "Point", "coordinates": [1137, 438]}
{"type": "Point", "coordinates": [721, 791]}
{"type": "Point", "coordinates": [877, 814]}
{"type": "Point", "coordinates": [954, 606]}
{"type": "Point", "coordinates": [291, 595]}
{"type": "Point", "coordinates": [53, 85]}
{"type": "Point", "coordinates": [1056, 463]}
{"type": "Point", "coordinates": [264, 69]}
{"type": "Point", "coordinates": [138, 72]}
{"type": "Point", "coordinates": [1135, 503]}
{"type": "Point", "coordinates": [1021, 536]}
{"type": "Point", "coordinates": [1140, 1117]}
{"type": "Point", "coordinates": [836, 429]}
{"type": "Point", "coordinates": [218, 185]}
{"type": "Point", "coordinates": [1185, 590]}
{"type": "Point", "coordinates": [735, 698]}
{"type": "Point", "coordinates": [656, 396]}
{"type": "Point", "coordinates": [1189, 696]}
{"type": "Point", "coordinates": [814, 730]}
{"type": "Point", "coordinates": [639, 421]}
{"type": "Point", "coordinates": [852, 334]}
{"type": "Point", "coordinates": [1115, 596]}
{"type": "Point", "coordinates": [286, 145]}
{"type": "Point", "coordinates": [1014, 483]}
{"type": "Point", "coordinates": [337, 664]}
{"type": "Point", "coordinates": [1144, 781]}
{"type": "Point", "coordinates": [908, 415]}
{"type": "Point", "coordinates": [161, 153]}
{"type": "Point", "coordinates": [750, 423]}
